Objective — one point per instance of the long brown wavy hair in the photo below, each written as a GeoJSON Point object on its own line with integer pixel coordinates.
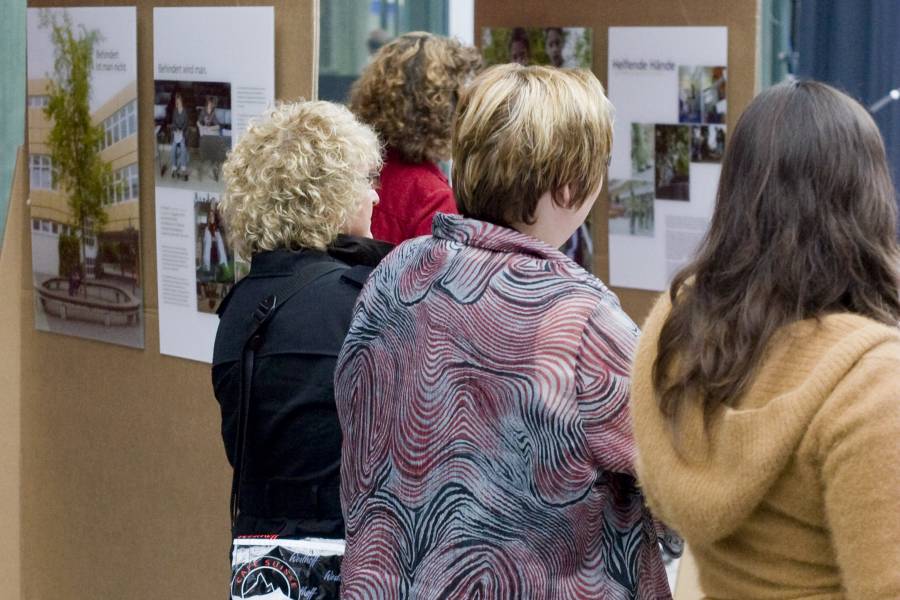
{"type": "Point", "coordinates": [804, 226]}
{"type": "Point", "coordinates": [409, 91]}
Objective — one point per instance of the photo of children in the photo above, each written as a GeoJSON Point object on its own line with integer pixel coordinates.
{"type": "Point", "coordinates": [192, 122]}
{"type": "Point", "coordinates": [550, 46]}
{"type": "Point", "coordinates": [702, 94]}
{"type": "Point", "coordinates": [631, 207]}
{"type": "Point", "coordinates": [215, 261]}
{"type": "Point", "coordinates": [707, 143]}
{"type": "Point", "coordinates": [673, 162]}
{"type": "Point", "coordinates": [643, 151]}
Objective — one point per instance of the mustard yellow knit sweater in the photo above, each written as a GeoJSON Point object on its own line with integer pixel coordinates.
{"type": "Point", "coordinates": [794, 492]}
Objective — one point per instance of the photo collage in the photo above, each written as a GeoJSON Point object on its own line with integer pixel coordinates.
{"type": "Point", "coordinates": [662, 153]}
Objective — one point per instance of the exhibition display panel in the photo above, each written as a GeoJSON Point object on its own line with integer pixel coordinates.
{"type": "Point", "coordinates": [208, 85]}
{"type": "Point", "coordinates": [120, 440]}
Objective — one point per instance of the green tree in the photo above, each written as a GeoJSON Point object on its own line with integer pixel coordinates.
{"type": "Point", "coordinates": [641, 147]}
{"type": "Point", "coordinates": [74, 139]}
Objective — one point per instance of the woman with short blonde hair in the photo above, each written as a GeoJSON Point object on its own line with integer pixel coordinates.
{"type": "Point", "coordinates": [407, 94]}
{"type": "Point", "coordinates": [298, 203]}
{"type": "Point", "coordinates": [483, 384]}
{"type": "Point", "coordinates": [518, 115]}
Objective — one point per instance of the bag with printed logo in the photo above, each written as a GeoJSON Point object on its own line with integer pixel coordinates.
{"type": "Point", "coordinates": [285, 569]}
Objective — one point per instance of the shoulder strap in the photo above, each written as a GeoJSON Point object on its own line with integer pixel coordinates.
{"type": "Point", "coordinates": [254, 333]}
{"type": "Point", "coordinates": [357, 275]}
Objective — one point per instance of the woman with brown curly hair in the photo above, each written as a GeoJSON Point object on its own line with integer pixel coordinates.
{"type": "Point", "coordinates": [408, 94]}
{"type": "Point", "coordinates": [766, 386]}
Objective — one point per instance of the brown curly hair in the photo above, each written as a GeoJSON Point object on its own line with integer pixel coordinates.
{"type": "Point", "coordinates": [408, 93]}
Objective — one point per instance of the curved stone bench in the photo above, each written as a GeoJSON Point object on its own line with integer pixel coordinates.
{"type": "Point", "coordinates": [92, 300]}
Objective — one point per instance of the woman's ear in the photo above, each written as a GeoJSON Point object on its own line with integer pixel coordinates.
{"type": "Point", "coordinates": [562, 197]}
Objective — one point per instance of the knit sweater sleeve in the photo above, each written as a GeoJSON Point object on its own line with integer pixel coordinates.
{"type": "Point", "coordinates": [858, 431]}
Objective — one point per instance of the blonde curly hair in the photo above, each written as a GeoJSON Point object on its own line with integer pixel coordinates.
{"type": "Point", "coordinates": [408, 93]}
{"type": "Point", "coordinates": [296, 176]}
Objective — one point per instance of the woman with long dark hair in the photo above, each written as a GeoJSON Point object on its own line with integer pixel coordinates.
{"type": "Point", "coordinates": [766, 386]}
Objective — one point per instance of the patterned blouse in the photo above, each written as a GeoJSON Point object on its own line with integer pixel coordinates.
{"type": "Point", "coordinates": [487, 453]}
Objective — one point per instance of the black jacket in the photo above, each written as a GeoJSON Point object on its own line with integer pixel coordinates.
{"type": "Point", "coordinates": [291, 478]}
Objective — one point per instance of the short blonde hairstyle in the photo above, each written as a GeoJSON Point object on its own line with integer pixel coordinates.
{"type": "Point", "coordinates": [523, 131]}
{"type": "Point", "coordinates": [409, 90]}
{"type": "Point", "coordinates": [296, 176]}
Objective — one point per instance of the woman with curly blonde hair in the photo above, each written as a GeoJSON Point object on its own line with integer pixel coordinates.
{"type": "Point", "coordinates": [298, 203]}
{"type": "Point", "coordinates": [408, 94]}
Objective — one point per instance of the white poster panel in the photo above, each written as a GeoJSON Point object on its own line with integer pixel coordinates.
{"type": "Point", "coordinates": [83, 173]}
{"type": "Point", "coordinates": [669, 88]}
{"type": "Point", "coordinates": [214, 70]}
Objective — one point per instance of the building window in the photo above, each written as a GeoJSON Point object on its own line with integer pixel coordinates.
{"type": "Point", "coordinates": [46, 226]}
{"type": "Point", "coordinates": [131, 173]}
{"type": "Point", "coordinates": [41, 168]}
{"type": "Point", "coordinates": [123, 186]}
{"type": "Point", "coordinates": [351, 31]}
{"type": "Point", "coordinates": [120, 124]}
{"type": "Point", "coordinates": [38, 101]}
{"type": "Point", "coordinates": [131, 117]}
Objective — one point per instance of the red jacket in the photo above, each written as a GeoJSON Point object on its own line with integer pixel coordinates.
{"type": "Point", "coordinates": [409, 196]}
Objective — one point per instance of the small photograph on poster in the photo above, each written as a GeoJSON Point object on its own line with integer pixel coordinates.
{"type": "Point", "coordinates": [707, 143]}
{"type": "Point", "coordinates": [215, 260]}
{"type": "Point", "coordinates": [673, 162]}
{"type": "Point", "coordinates": [631, 207]}
{"type": "Point", "coordinates": [643, 151]}
{"type": "Point", "coordinates": [192, 122]}
{"type": "Point", "coordinates": [701, 94]}
{"type": "Point", "coordinates": [551, 46]}
{"type": "Point", "coordinates": [84, 183]}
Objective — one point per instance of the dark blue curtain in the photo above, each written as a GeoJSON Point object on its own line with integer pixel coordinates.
{"type": "Point", "coordinates": [855, 46]}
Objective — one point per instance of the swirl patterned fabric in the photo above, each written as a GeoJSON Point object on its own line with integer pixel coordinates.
{"type": "Point", "coordinates": [487, 451]}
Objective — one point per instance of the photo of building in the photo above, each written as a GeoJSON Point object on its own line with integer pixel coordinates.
{"type": "Point", "coordinates": [86, 244]}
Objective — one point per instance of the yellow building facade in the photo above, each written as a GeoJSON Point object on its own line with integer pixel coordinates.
{"type": "Point", "coordinates": [50, 211]}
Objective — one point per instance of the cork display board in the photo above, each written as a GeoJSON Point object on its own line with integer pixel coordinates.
{"type": "Point", "coordinates": [122, 478]}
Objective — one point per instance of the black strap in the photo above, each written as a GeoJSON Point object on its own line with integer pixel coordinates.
{"type": "Point", "coordinates": [357, 275]}
{"type": "Point", "coordinates": [253, 339]}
